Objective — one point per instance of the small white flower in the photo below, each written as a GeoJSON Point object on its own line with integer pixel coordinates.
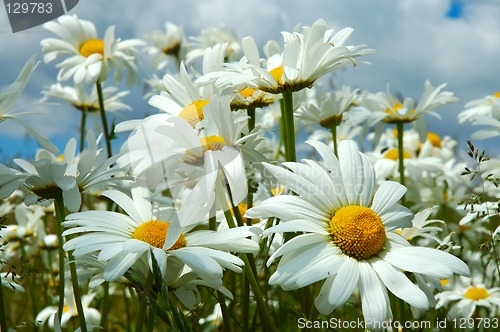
{"type": "Point", "coordinates": [88, 58]}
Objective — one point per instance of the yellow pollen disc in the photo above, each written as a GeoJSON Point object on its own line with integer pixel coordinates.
{"type": "Point", "coordinates": [213, 143]}
{"type": "Point", "coordinates": [65, 308]}
{"type": "Point", "coordinates": [277, 190]}
{"type": "Point", "coordinates": [496, 94]}
{"type": "Point", "coordinates": [277, 73]}
{"type": "Point", "coordinates": [242, 207]}
{"type": "Point", "coordinates": [193, 113]}
{"type": "Point", "coordinates": [393, 154]}
{"type": "Point", "coordinates": [394, 109]}
{"type": "Point", "coordinates": [154, 233]}
{"type": "Point", "coordinates": [247, 92]}
{"type": "Point", "coordinates": [444, 282]}
{"type": "Point", "coordinates": [357, 231]}
{"type": "Point", "coordinates": [476, 294]}
{"type": "Point", "coordinates": [434, 139]}
{"type": "Point", "coordinates": [92, 46]}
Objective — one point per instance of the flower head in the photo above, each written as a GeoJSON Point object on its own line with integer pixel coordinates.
{"type": "Point", "coordinates": [89, 58]}
{"type": "Point", "coordinates": [349, 235]}
{"type": "Point", "coordinates": [152, 231]}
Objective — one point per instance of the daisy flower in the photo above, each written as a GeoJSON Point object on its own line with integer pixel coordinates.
{"type": "Point", "coordinates": [169, 147]}
{"type": "Point", "coordinates": [466, 296]}
{"type": "Point", "coordinates": [88, 58]}
{"type": "Point", "coordinates": [27, 221]}
{"type": "Point", "coordinates": [349, 236]}
{"type": "Point", "coordinates": [9, 97]}
{"type": "Point", "coordinates": [68, 175]}
{"type": "Point", "coordinates": [147, 230]}
{"type": "Point", "coordinates": [92, 315]}
{"type": "Point", "coordinates": [385, 108]}
{"type": "Point", "coordinates": [78, 97]}
{"type": "Point", "coordinates": [306, 56]}
{"type": "Point", "coordinates": [421, 227]}
{"type": "Point", "coordinates": [166, 45]}
{"type": "Point", "coordinates": [328, 109]}
{"type": "Point", "coordinates": [480, 107]}
{"type": "Point", "coordinates": [210, 37]}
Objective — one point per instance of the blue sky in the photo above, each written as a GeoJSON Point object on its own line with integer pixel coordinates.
{"type": "Point", "coordinates": [454, 42]}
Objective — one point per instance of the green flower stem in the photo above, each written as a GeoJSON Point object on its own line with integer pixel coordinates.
{"type": "Point", "coordinates": [105, 307]}
{"type": "Point", "coordinates": [251, 120]}
{"type": "Point", "coordinates": [281, 137]}
{"type": "Point", "coordinates": [289, 126]}
{"type": "Point", "coordinates": [82, 128]}
{"type": "Point", "coordinates": [103, 119]}
{"type": "Point", "coordinates": [211, 223]}
{"type": "Point", "coordinates": [265, 316]}
{"type": "Point", "coordinates": [61, 215]}
{"type": "Point", "coordinates": [333, 129]}
{"type": "Point", "coordinates": [30, 282]}
{"type": "Point", "coordinates": [225, 313]}
{"type": "Point", "coordinates": [400, 129]}
{"type": "Point", "coordinates": [3, 316]}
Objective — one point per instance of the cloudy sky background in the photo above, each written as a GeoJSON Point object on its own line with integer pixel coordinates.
{"type": "Point", "coordinates": [446, 41]}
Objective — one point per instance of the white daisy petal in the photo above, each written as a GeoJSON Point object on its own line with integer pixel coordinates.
{"type": "Point", "coordinates": [400, 285]}
{"type": "Point", "coordinates": [372, 297]}
{"type": "Point", "coordinates": [344, 283]}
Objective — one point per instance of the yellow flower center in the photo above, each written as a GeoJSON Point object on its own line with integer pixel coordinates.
{"type": "Point", "coordinates": [243, 207]}
{"type": "Point", "coordinates": [394, 109]}
{"type": "Point", "coordinates": [277, 190]}
{"type": "Point", "coordinates": [277, 73]}
{"type": "Point", "coordinates": [247, 92]}
{"type": "Point", "coordinates": [444, 282]}
{"type": "Point", "coordinates": [393, 154]}
{"type": "Point", "coordinates": [476, 294]}
{"type": "Point", "coordinates": [496, 94]}
{"type": "Point", "coordinates": [154, 233]}
{"type": "Point", "coordinates": [357, 231]}
{"type": "Point", "coordinates": [213, 143]}
{"type": "Point", "coordinates": [92, 46]}
{"type": "Point", "coordinates": [434, 139]}
{"type": "Point", "coordinates": [193, 113]}
{"type": "Point", "coordinates": [395, 117]}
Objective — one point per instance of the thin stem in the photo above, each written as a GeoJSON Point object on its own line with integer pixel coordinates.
{"type": "Point", "coordinates": [289, 126]}
{"type": "Point", "coordinates": [60, 215]}
{"type": "Point", "coordinates": [281, 137]}
{"type": "Point", "coordinates": [400, 128]}
{"type": "Point", "coordinates": [211, 223]}
{"type": "Point", "coordinates": [103, 119]}
{"type": "Point", "coordinates": [105, 307]}
{"type": "Point", "coordinates": [60, 211]}
{"type": "Point", "coordinates": [30, 283]}
{"type": "Point", "coordinates": [225, 313]}
{"type": "Point", "coordinates": [265, 316]}
{"type": "Point", "coordinates": [82, 128]}
{"type": "Point", "coordinates": [76, 293]}
{"type": "Point", "coordinates": [251, 120]}
{"type": "Point", "coordinates": [3, 316]}
{"type": "Point", "coordinates": [333, 129]}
